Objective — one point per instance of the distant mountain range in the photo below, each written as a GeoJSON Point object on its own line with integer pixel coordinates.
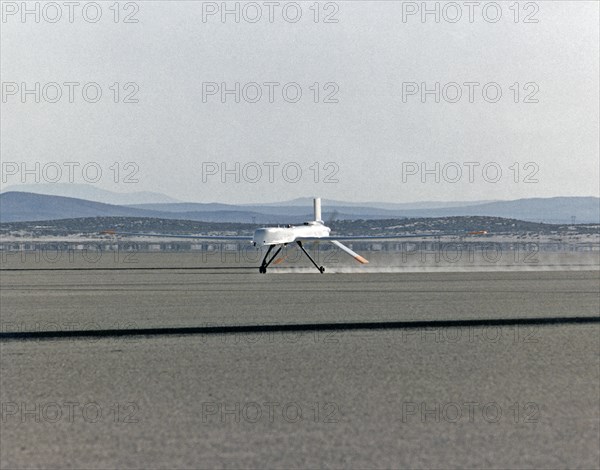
{"type": "Point", "coordinates": [23, 206]}
{"type": "Point", "coordinates": [150, 200]}
{"type": "Point", "coordinates": [307, 202]}
{"type": "Point", "coordinates": [92, 193]}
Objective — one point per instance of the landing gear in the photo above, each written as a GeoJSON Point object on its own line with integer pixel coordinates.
{"type": "Point", "coordinates": [266, 260]}
{"type": "Point", "coordinates": [320, 268]}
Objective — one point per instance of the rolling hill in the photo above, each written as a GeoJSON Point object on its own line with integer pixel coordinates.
{"type": "Point", "coordinates": [23, 206]}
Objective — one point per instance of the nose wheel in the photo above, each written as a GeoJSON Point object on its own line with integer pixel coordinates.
{"type": "Point", "coordinates": [266, 260]}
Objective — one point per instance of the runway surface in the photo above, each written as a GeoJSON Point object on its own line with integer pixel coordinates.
{"type": "Point", "coordinates": [438, 396]}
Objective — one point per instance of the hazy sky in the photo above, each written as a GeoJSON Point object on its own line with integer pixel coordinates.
{"type": "Point", "coordinates": [370, 133]}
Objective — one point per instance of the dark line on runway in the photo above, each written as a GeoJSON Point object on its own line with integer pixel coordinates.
{"type": "Point", "coordinates": [292, 269]}
{"type": "Point", "coordinates": [148, 268]}
{"type": "Point", "coordinates": [232, 329]}
{"type": "Point", "coordinates": [153, 288]}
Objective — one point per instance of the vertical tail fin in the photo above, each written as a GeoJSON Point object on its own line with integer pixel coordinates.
{"type": "Point", "coordinates": [317, 207]}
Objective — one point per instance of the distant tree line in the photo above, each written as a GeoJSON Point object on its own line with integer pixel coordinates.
{"type": "Point", "coordinates": [456, 225]}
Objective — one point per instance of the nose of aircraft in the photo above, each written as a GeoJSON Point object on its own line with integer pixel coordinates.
{"type": "Point", "coordinates": [261, 236]}
{"type": "Point", "coordinates": [271, 236]}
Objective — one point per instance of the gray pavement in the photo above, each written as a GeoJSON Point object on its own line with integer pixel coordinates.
{"type": "Point", "coordinates": [506, 396]}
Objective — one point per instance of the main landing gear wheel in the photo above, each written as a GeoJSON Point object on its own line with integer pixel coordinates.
{"type": "Point", "coordinates": [267, 261]}
{"type": "Point", "coordinates": [320, 268]}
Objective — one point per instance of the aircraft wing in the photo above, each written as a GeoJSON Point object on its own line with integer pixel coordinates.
{"type": "Point", "coordinates": [390, 237]}
{"type": "Point", "coordinates": [335, 240]}
{"type": "Point", "coordinates": [172, 235]}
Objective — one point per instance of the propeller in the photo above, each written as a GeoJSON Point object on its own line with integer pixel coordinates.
{"type": "Point", "coordinates": [356, 256]}
{"type": "Point", "coordinates": [341, 246]}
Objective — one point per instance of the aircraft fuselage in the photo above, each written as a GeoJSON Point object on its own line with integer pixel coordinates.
{"type": "Point", "coordinates": [289, 234]}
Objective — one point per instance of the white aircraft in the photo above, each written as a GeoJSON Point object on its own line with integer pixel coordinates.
{"type": "Point", "coordinates": [312, 231]}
